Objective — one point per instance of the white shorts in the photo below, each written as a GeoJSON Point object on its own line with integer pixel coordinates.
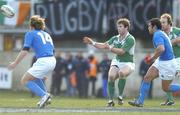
{"type": "Point", "coordinates": [42, 67]}
{"type": "Point", "coordinates": [178, 63]}
{"type": "Point", "coordinates": [166, 69]}
{"type": "Point", "coordinates": [123, 64]}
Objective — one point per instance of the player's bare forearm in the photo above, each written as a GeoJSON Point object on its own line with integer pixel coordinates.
{"type": "Point", "coordinates": [100, 45]}
{"type": "Point", "coordinates": [118, 51]}
{"type": "Point", "coordinates": [175, 41]}
{"type": "Point", "coordinates": [88, 40]}
{"type": "Point", "coordinates": [158, 51]}
{"type": "Point", "coordinates": [20, 56]}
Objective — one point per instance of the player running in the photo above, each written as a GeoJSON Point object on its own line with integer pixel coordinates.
{"type": "Point", "coordinates": [163, 66]}
{"type": "Point", "coordinates": [41, 42]}
{"type": "Point", "coordinates": [174, 35]}
{"type": "Point", "coordinates": [122, 65]}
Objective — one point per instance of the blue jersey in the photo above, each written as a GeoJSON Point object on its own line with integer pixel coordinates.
{"type": "Point", "coordinates": [41, 42]}
{"type": "Point", "coordinates": [160, 38]}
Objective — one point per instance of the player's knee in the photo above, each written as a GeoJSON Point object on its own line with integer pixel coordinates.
{"type": "Point", "coordinates": [147, 78]}
{"type": "Point", "coordinates": [121, 74]}
{"type": "Point", "coordinates": [23, 81]}
{"type": "Point", "coordinates": [165, 88]}
{"type": "Point", "coordinates": [111, 78]}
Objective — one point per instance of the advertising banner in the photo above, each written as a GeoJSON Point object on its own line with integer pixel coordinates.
{"type": "Point", "coordinates": [97, 18]}
{"type": "Point", "coordinates": [5, 78]}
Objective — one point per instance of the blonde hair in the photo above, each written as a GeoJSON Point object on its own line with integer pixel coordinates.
{"type": "Point", "coordinates": [37, 22]}
{"type": "Point", "coordinates": [124, 21]}
{"type": "Point", "coordinates": [168, 17]}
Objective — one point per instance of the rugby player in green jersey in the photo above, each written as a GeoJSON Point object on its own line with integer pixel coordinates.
{"type": "Point", "coordinates": [122, 65]}
{"type": "Point", "coordinates": [174, 35]}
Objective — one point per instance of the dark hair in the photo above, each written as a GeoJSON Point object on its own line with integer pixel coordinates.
{"type": "Point", "coordinates": [155, 22]}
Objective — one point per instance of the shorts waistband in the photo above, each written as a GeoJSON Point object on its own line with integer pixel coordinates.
{"type": "Point", "coordinates": [47, 56]}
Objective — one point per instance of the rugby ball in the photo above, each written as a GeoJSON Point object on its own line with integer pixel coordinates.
{"type": "Point", "coordinates": [7, 10]}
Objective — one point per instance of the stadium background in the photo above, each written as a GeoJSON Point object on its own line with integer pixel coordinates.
{"type": "Point", "coordinates": [69, 20]}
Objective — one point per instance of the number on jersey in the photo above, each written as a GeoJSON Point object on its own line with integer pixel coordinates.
{"type": "Point", "coordinates": [45, 38]}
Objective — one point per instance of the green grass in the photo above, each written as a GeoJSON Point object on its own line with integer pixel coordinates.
{"type": "Point", "coordinates": [23, 99]}
{"type": "Point", "coordinates": [123, 113]}
{"type": "Point", "coordinates": [12, 99]}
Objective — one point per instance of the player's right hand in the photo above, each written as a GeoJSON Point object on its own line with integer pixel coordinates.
{"type": "Point", "coordinates": [177, 73]}
{"type": "Point", "coordinates": [87, 40]}
{"type": "Point", "coordinates": [12, 65]}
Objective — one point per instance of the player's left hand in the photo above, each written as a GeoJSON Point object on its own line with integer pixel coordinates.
{"type": "Point", "coordinates": [149, 60]}
{"type": "Point", "coordinates": [12, 65]}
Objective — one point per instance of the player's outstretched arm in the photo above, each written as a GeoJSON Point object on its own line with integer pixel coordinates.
{"type": "Point", "coordinates": [175, 41]}
{"type": "Point", "coordinates": [88, 40]}
{"type": "Point", "coordinates": [18, 59]}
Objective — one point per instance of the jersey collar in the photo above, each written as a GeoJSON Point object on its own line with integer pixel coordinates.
{"type": "Point", "coordinates": [124, 37]}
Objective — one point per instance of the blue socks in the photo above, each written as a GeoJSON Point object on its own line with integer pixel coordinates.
{"type": "Point", "coordinates": [174, 87]}
{"type": "Point", "coordinates": [41, 84]}
{"type": "Point", "coordinates": [144, 89]}
{"type": "Point", "coordinates": [31, 85]}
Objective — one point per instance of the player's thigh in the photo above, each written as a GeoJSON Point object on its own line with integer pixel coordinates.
{"type": "Point", "coordinates": [113, 73]}
{"type": "Point", "coordinates": [26, 77]}
{"type": "Point", "coordinates": [125, 71]}
{"type": "Point", "coordinates": [166, 84]}
{"type": "Point", "coordinates": [151, 74]}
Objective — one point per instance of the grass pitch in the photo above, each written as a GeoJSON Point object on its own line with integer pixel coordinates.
{"type": "Point", "coordinates": [19, 103]}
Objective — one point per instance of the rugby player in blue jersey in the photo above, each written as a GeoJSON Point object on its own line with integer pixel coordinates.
{"type": "Point", "coordinates": [163, 66]}
{"type": "Point", "coordinates": [174, 35]}
{"type": "Point", "coordinates": [42, 44]}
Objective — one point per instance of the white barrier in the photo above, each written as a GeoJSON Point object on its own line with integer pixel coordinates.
{"type": "Point", "coordinates": [5, 78]}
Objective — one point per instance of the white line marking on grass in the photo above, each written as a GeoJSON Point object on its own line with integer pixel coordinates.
{"type": "Point", "coordinates": [84, 110]}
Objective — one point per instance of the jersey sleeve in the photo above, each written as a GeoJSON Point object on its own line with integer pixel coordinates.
{"type": "Point", "coordinates": [158, 40]}
{"type": "Point", "coordinates": [129, 43]}
{"type": "Point", "coordinates": [177, 31]}
{"type": "Point", "coordinates": [110, 41]}
{"type": "Point", "coordinates": [28, 40]}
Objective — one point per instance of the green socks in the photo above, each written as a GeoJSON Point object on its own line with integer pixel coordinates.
{"type": "Point", "coordinates": [170, 96]}
{"type": "Point", "coordinates": [111, 90]}
{"type": "Point", "coordinates": [121, 85]}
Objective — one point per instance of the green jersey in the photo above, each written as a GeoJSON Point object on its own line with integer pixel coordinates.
{"type": "Point", "coordinates": [127, 44]}
{"type": "Point", "coordinates": [175, 32]}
